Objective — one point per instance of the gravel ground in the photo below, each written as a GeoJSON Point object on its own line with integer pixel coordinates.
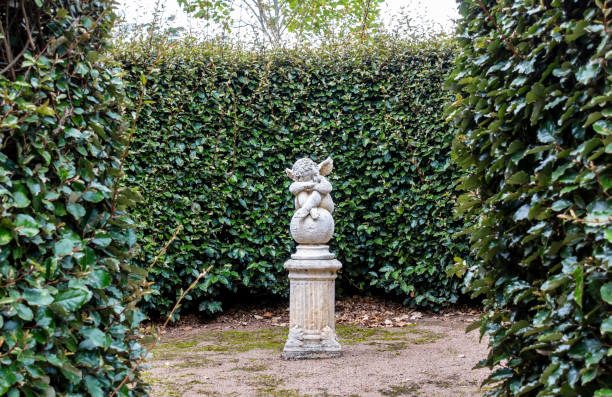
{"type": "Point", "coordinates": [428, 355]}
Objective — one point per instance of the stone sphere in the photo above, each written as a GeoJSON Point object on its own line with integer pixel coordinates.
{"type": "Point", "coordinates": [313, 231]}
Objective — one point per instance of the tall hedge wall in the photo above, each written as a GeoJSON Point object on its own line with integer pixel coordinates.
{"type": "Point", "coordinates": [534, 111]}
{"type": "Point", "coordinates": [221, 127]}
{"type": "Point", "coordinates": [68, 325]}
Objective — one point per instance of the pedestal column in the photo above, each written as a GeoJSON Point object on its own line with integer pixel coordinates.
{"type": "Point", "coordinates": [312, 331]}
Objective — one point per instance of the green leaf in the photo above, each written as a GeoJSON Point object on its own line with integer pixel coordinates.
{"type": "Point", "coordinates": [21, 200]}
{"type": "Point", "coordinates": [72, 373]}
{"type": "Point", "coordinates": [102, 239]}
{"type": "Point", "coordinates": [26, 225]}
{"type": "Point", "coordinates": [94, 336]}
{"type": "Point", "coordinates": [45, 109]}
{"type": "Point", "coordinates": [606, 292]}
{"type": "Point", "coordinates": [577, 31]}
{"type": "Point", "coordinates": [603, 127]}
{"type": "Point", "coordinates": [94, 386]}
{"type": "Point", "coordinates": [587, 72]}
{"type": "Point", "coordinates": [5, 236]}
{"type": "Point", "coordinates": [606, 325]}
{"type": "Point", "coordinates": [519, 178]}
{"type": "Point", "coordinates": [72, 299]}
{"type": "Point", "coordinates": [37, 296]}
{"type": "Point", "coordinates": [63, 247]}
{"type": "Point", "coordinates": [545, 133]}
{"type": "Point", "coordinates": [93, 196]}
{"type": "Point", "coordinates": [100, 279]}
{"type": "Point", "coordinates": [76, 210]}
{"type": "Point", "coordinates": [522, 213]}
{"type": "Point", "coordinates": [560, 205]}
{"type": "Point", "coordinates": [579, 277]}
{"type": "Point", "coordinates": [554, 282]}
{"type": "Point", "coordinates": [24, 312]}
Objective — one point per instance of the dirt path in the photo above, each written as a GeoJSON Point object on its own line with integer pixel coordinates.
{"type": "Point", "coordinates": [429, 356]}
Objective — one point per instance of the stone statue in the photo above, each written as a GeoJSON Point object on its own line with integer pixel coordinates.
{"type": "Point", "coordinates": [312, 269]}
{"type": "Point", "coordinates": [312, 222]}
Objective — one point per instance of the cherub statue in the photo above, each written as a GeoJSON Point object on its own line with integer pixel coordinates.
{"type": "Point", "coordinates": [310, 187]}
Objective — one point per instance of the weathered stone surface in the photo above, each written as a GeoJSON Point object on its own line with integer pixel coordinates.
{"type": "Point", "coordinates": [312, 269]}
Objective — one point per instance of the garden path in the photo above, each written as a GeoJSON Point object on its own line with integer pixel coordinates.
{"type": "Point", "coordinates": [389, 350]}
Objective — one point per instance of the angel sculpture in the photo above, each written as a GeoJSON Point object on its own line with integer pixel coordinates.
{"type": "Point", "coordinates": [312, 222]}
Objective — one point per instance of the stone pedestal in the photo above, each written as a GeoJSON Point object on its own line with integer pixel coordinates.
{"type": "Point", "coordinates": [312, 332]}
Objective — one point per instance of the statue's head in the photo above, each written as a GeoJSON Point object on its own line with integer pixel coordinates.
{"type": "Point", "coordinates": [305, 170]}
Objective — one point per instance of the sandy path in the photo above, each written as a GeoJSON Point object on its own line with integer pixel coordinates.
{"type": "Point", "coordinates": [433, 356]}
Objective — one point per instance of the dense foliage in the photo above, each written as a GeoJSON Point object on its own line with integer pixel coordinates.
{"type": "Point", "coordinates": [534, 112]}
{"type": "Point", "coordinates": [68, 325]}
{"type": "Point", "coordinates": [220, 129]}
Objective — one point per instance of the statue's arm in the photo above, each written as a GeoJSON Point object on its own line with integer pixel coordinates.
{"type": "Point", "coordinates": [323, 187]}
{"type": "Point", "coordinates": [297, 187]}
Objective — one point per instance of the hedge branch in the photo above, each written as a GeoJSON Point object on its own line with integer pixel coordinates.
{"type": "Point", "coordinates": [510, 46]}
{"type": "Point", "coordinates": [148, 350]}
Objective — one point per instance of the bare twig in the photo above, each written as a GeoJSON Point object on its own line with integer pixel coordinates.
{"type": "Point", "coordinates": [574, 218]}
{"type": "Point", "coordinates": [9, 52]}
{"type": "Point", "coordinates": [365, 18]}
{"type": "Point", "coordinates": [164, 249]}
{"type": "Point", "coordinates": [27, 23]}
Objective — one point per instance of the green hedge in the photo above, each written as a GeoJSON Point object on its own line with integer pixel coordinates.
{"type": "Point", "coordinates": [534, 112]}
{"type": "Point", "coordinates": [68, 325]}
{"type": "Point", "coordinates": [223, 124]}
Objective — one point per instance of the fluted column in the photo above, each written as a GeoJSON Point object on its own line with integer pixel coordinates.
{"type": "Point", "coordinates": [312, 331]}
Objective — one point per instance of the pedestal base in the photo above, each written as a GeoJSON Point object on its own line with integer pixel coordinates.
{"type": "Point", "coordinates": [312, 275]}
{"type": "Point", "coordinates": [306, 354]}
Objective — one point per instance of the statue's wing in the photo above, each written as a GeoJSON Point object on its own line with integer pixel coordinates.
{"type": "Point", "coordinates": [290, 174]}
{"type": "Point", "coordinates": [325, 168]}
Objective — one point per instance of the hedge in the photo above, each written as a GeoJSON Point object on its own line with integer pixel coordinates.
{"type": "Point", "coordinates": [534, 115]}
{"type": "Point", "coordinates": [222, 124]}
{"type": "Point", "coordinates": [68, 325]}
